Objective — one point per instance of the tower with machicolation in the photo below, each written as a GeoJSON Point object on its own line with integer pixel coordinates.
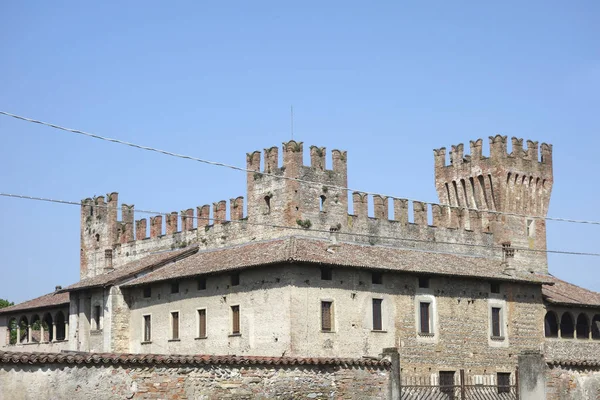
{"type": "Point", "coordinates": [290, 198]}
{"type": "Point", "coordinates": [486, 190]}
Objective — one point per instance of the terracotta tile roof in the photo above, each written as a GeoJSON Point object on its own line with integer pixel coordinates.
{"type": "Point", "coordinates": [132, 269]}
{"type": "Point", "coordinates": [573, 363]}
{"type": "Point", "coordinates": [314, 251]}
{"type": "Point", "coordinates": [7, 357]}
{"type": "Point", "coordinates": [54, 299]}
{"type": "Point", "coordinates": [566, 293]}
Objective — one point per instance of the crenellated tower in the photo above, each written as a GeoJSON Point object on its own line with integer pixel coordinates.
{"type": "Point", "coordinates": [518, 183]}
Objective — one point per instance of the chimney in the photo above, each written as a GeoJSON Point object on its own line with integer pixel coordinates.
{"type": "Point", "coordinates": [57, 288]}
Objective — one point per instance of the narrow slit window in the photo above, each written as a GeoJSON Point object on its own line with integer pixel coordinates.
{"type": "Point", "coordinates": [175, 325]}
{"type": "Point", "coordinates": [147, 328]}
{"type": "Point", "coordinates": [377, 320]}
{"type": "Point", "coordinates": [267, 204]}
{"type": "Point", "coordinates": [202, 324]}
{"type": "Point", "coordinates": [97, 316]}
{"type": "Point", "coordinates": [424, 317]}
{"type": "Point", "coordinates": [235, 320]}
{"type": "Point", "coordinates": [326, 316]}
{"type": "Point", "coordinates": [322, 203]}
{"type": "Point", "coordinates": [496, 322]}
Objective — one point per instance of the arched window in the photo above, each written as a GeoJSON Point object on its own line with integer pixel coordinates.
{"type": "Point", "coordinates": [47, 324]}
{"type": "Point", "coordinates": [551, 324]}
{"type": "Point", "coordinates": [12, 331]}
{"type": "Point", "coordinates": [567, 327]}
{"type": "Point", "coordinates": [596, 327]}
{"type": "Point", "coordinates": [583, 327]}
{"type": "Point", "coordinates": [24, 330]}
{"type": "Point", "coordinates": [60, 326]}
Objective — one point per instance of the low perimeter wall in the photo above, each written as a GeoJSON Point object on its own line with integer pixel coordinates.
{"type": "Point", "coordinates": [127, 376]}
{"type": "Point", "coordinates": [573, 380]}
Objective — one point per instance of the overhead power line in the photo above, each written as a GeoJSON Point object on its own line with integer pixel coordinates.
{"type": "Point", "coordinates": [79, 203]}
{"type": "Point", "coordinates": [220, 164]}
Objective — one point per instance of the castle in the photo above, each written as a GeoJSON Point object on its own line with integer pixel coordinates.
{"type": "Point", "coordinates": [463, 284]}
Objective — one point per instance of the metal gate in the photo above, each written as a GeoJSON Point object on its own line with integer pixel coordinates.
{"type": "Point", "coordinates": [452, 386]}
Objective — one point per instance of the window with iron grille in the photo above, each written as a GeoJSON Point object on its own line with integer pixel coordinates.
{"type": "Point", "coordinates": [503, 379]}
{"type": "Point", "coordinates": [377, 321]}
{"type": "Point", "coordinates": [202, 283]}
{"type": "Point", "coordinates": [147, 328]}
{"type": "Point", "coordinates": [202, 324]}
{"type": "Point", "coordinates": [235, 320]}
{"type": "Point", "coordinates": [326, 316]}
{"type": "Point", "coordinates": [447, 383]}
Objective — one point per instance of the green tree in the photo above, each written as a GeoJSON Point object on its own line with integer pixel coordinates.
{"type": "Point", "coordinates": [13, 323]}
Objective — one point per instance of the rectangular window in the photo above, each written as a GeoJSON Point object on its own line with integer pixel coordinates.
{"type": "Point", "coordinates": [235, 320]}
{"type": "Point", "coordinates": [495, 287]}
{"type": "Point", "coordinates": [503, 379]}
{"type": "Point", "coordinates": [424, 282]}
{"type": "Point", "coordinates": [202, 283]}
{"type": "Point", "coordinates": [377, 278]}
{"type": "Point", "coordinates": [424, 316]}
{"type": "Point", "coordinates": [377, 323]}
{"type": "Point", "coordinates": [326, 316]}
{"type": "Point", "coordinates": [97, 316]}
{"type": "Point", "coordinates": [326, 274]}
{"type": "Point", "coordinates": [175, 325]}
{"type": "Point", "coordinates": [202, 323]}
{"type": "Point", "coordinates": [235, 279]}
{"type": "Point", "coordinates": [496, 322]}
{"type": "Point", "coordinates": [530, 228]}
{"type": "Point", "coordinates": [147, 292]}
{"type": "Point", "coordinates": [174, 287]}
{"type": "Point", "coordinates": [147, 328]}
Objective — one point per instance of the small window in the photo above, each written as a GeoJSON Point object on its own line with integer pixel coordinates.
{"type": "Point", "coordinates": [267, 204]}
{"type": "Point", "coordinates": [322, 203]}
{"type": "Point", "coordinates": [496, 322]}
{"type": "Point", "coordinates": [503, 379]}
{"type": "Point", "coordinates": [235, 320]}
{"type": "Point", "coordinates": [147, 292]}
{"type": "Point", "coordinates": [147, 328]}
{"type": "Point", "coordinates": [377, 323]}
{"type": "Point", "coordinates": [425, 317]}
{"type": "Point", "coordinates": [235, 279]}
{"type": "Point", "coordinates": [447, 383]}
{"type": "Point", "coordinates": [175, 287]}
{"type": "Point", "coordinates": [97, 316]}
{"type": "Point", "coordinates": [202, 283]}
{"type": "Point", "coordinates": [424, 282]}
{"type": "Point", "coordinates": [495, 287]}
{"type": "Point", "coordinates": [530, 228]}
{"type": "Point", "coordinates": [326, 316]}
{"type": "Point", "coordinates": [202, 324]}
{"type": "Point", "coordinates": [326, 274]}
{"type": "Point", "coordinates": [377, 277]}
{"type": "Point", "coordinates": [175, 325]}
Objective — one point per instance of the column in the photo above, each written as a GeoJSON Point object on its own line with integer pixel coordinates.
{"type": "Point", "coordinates": [28, 333]}
{"type": "Point", "coordinates": [53, 331]}
{"type": "Point", "coordinates": [18, 333]}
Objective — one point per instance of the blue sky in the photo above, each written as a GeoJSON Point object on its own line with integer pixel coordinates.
{"type": "Point", "coordinates": [386, 81]}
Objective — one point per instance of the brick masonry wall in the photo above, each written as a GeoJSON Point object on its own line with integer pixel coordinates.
{"type": "Point", "coordinates": [571, 383]}
{"type": "Point", "coordinates": [206, 382]}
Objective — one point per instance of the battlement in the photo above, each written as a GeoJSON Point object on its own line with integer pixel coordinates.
{"type": "Point", "coordinates": [498, 153]}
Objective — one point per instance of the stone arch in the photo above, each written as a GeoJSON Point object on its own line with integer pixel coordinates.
{"type": "Point", "coordinates": [59, 321]}
{"type": "Point", "coordinates": [582, 327]}
{"type": "Point", "coordinates": [23, 330]}
{"type": "Point", "coordinates": [567, 326]}
{"type": "Point", "coordinates": [36, 329]}
{"type": "Point", "coordinates": [551, 324]}
{"type": "Point", "coordinates": [11, 332]}
{"type": "Point", "coordinates": [47, 323]}
{"type": "Point", "coordinates": [596, 327]}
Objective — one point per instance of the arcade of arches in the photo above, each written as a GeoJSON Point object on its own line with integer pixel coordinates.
{"type": "Point", "coordinates": [572, 325]}
{"type": "Point", "coordinates": [43, 327]}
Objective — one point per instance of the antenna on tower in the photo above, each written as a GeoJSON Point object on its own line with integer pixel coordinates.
{"type": "Point", "coordinates": [292, 120]}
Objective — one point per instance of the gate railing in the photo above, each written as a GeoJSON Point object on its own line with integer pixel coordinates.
{"type": "Point", "coordinates": [477, 387]}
